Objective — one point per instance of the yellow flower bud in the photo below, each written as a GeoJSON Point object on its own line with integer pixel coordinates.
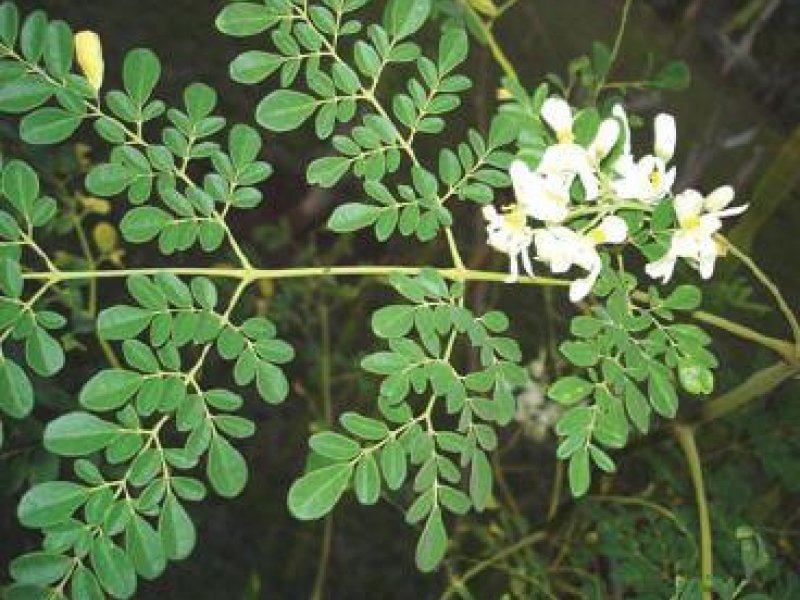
{"type": "Point", "coordinates": [485, 7]}
{"type": "Point", "coordinates": [97, 206]}
{"type": "Point", "coordinates": [89, 54]}
{"type": "Point", "coordinates": [504, 94]}
{"type": "Point", "coordinates": [105, 237]}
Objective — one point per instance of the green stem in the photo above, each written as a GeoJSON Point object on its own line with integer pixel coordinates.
{"type": "Point", "coordinates": [784, 349]}
{"type": "Point", "coordinates": [621, 31]}
{"type": "Point", "coordinates": [769, 284]}
{"type": "Point", "coordinates": [458, 262]}
{"type": "Point", "coordinates": [760, 383]}
{"type": "Point", "coordinates": [325, 364]}
{"type": "Point", "coordinates": [685, 436]}
{"type": "Point", "coordinates": [458, 581]}
{"type": "Point", "coordinates": [555, 491]}
{"type": "Point", "coordinates": [294, 273]}
{"type": "Point", "coordinates": [495, 48]}
{"type": "Point", "coordinates": [322, 569]}
{"type": "Point", "coordinates": [91, 309]}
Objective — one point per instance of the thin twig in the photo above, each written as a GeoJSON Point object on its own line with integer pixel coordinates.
{"type": "Point", "coordinates": [685, 436]}
{"type": "Point", "coordinates": [767, 283]}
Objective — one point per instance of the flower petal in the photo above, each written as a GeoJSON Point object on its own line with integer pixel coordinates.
{"type": "Point", "coordinates": [662, 268]}
{"type": "Point", "coordinates": [524, 181]}
{"type": "Point", "coordinates": [733, 211]}
{"type": "Point", "coordinates": [526, 262]}
{"type": "Point", "coordinates": [580, 288]}
{"type": "Point", "coordinates": [619, 112]}
{"type": "Point", "coordinates": [719, 198]}
{"type": "Point", "coordinates": [558, 115]}
{"type": "Point", "coordinates": [688, 205]}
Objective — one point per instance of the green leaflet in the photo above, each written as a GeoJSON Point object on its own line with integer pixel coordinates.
{"type": "Point", "coordinates": [315, 494]}
{"type": "Point", "coordinates": [78, 434]}
{"type": "Point", "coordinates": [285, 110]}
{"type": "Point", "coordinates": [140, 74]}
{"type": "Point", "coordinates": [227, 470]}
{"type": "Point", "coordinates": [432, 543]}
{"type": "Point", "coordinates": [244, 19]}
{"type": "Point", "coordinates": [49, 126]}
{"type": "Point", "coordinates": [570, 390]}
{"type": "Point", "coordinates": [50, 503]}
{"type": "Point", "coordinates": [24, 94]}
{"type": "Point", "coordinates": [39, 568]}
{"type": "Point", "coordinates": [113, 568]}
{"type": "Point", "coordinates": [176, 530]}
{"type": "Point", "coordinates": [404, 17]}
{"type": "Point", "coordinates": [352, 217]}
{"type": "Point", "coordinates": [110, 389]}
{"type": "Point", "coordinates": [16, 393]}
{"type": "Point", "coordinates": [43, 353]}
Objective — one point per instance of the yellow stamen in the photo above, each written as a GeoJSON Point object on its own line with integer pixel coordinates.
{"type": "Point", "coordinates": [690, 222]}
{"type": "Point", "coordinates": [655, 177]}
{"type": "Point", "coordinates": [565, 137]}
{"type": "Point", "coordinates": [598, 236]}
{"type": "Point", "coordinates": [514, 217]}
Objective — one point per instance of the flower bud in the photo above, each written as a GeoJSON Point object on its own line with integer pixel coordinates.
{"type": "Point", "coordinates": [89, 54]}
{"type": "Point", "coordinates": [607, 136]}
{"type": "Point", "coordinates": [665, 137]}
{"type": "Point", "coordinates": [614, 228]}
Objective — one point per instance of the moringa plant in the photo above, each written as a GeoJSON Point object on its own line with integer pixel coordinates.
{"type": "Point", "coordinates": [555, 178]}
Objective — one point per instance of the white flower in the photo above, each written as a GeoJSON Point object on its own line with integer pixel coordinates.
{"type": "Point", "coordinates": [509, 233]}
{"type": "Point", "coordinates": [566, 160]}
{"type": "Point", "coordinates": [699, 219]}
{"type": "Point", "coordinates": [535, 413]}
{"type": "Point", "coordinates": [647, 179]}
{"type": "Point", "coordinates": [562, 248]}
{"type": "Point", "coordinates": [543, 197]}
{"type": "Point", "coordinates": [530, 401]}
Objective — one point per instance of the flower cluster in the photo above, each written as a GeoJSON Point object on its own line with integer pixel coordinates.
{"type": "Point", "coordinates": [574, 201]}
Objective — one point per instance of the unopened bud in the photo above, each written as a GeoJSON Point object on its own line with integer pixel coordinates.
{"type": "Point", "coordinates": [89, 54]}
